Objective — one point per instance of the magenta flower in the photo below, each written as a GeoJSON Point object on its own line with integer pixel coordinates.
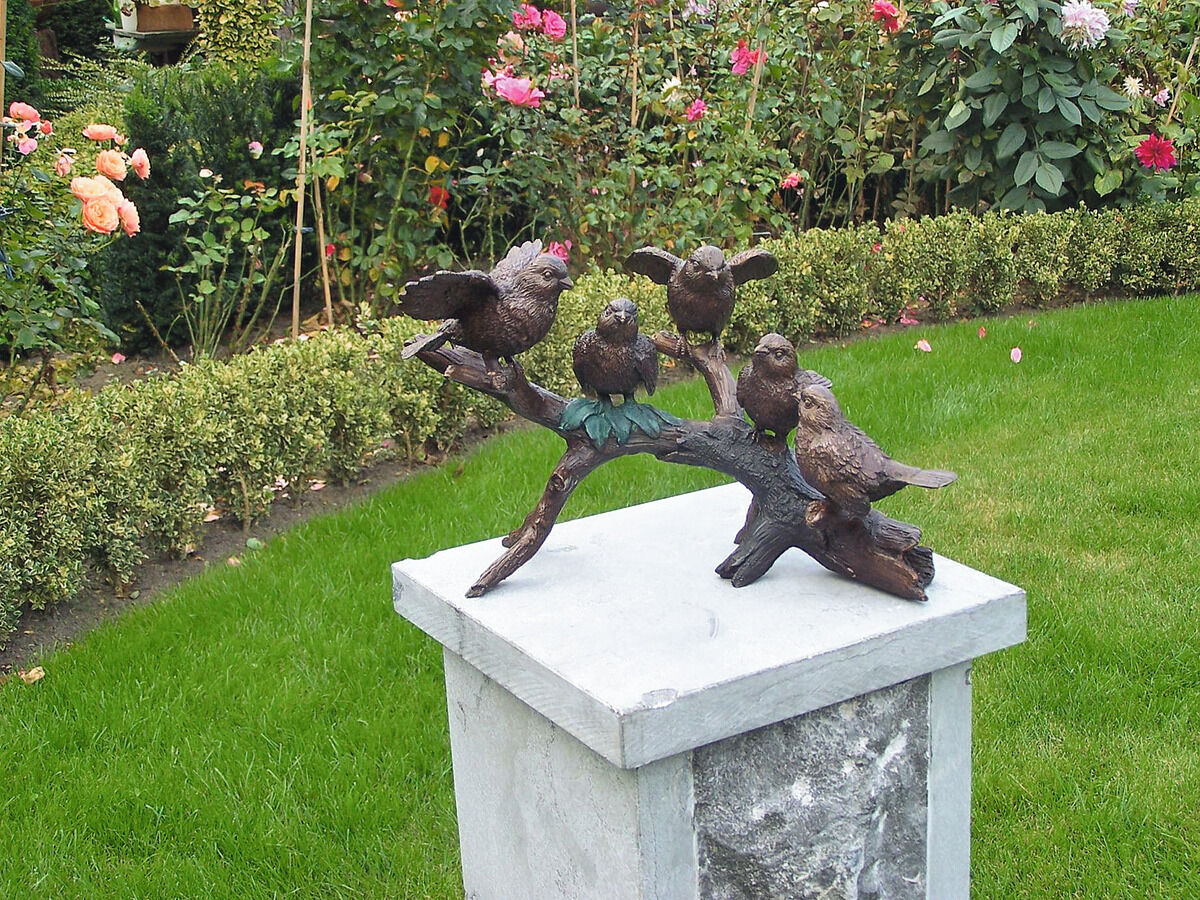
{"type": "Point", "coordinates": [742, 58]}
{"type": "Point", "coordinates": [791, 180]}
{"type": "Point", "coordinates": [696, 110]}
{"type": "Point", "coordinates": [527, 17]}
{"type": "Point", "coordinates": [553, 25]}
{"type": "Point", "coordinates": [886, 13]}
{"type": "Point", "coordinates": [561, 250]}
{"type": "Point", "coordinates": [518, 91]}
{"type": "Point", "coordinates": [1156, 153]}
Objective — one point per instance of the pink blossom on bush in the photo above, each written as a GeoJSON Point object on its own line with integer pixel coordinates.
{"type": "Point", "coordinates": [1163, 97]}
{"type": "Point", "coordinates": [561, 250]}
{"type": "Point", "coordinates": [1083, 25]}
{"type": "Point", "coordinates": [1156, 153]}
{"type": "Point", "coordinates": [527, 17]}
{"type": "Point", "coordinates": [518, 91]}
{"type": "Point", "coordinates": [887, 14]}
{"type": "Point", "coordinates": [140, 163]}
{"type": "Point", "coordinates": [742, 58]}
{"type": "Point", "coordinates": [255, 149]}
{"type": "Point", "coordinates": [62, 165]}
{"type": "Point", "coordinates": [45, 127]}
{"type": "Point", "coordinates": [696, 110]}
{"type": "Point", "coordinates": [553, 25]}
{"type": "Point", "coordinates": [100, 132]}
{"type": "Point", "coordinates": [131, 222]}
{"type": "Point", "coordinates": [791, 180]}
{"type": "Point", "coordinates": [26, 145]}
{"type": "Point", "coordinates": [489, 77]}
{"type": "Point", "coordinates": [23, 111]}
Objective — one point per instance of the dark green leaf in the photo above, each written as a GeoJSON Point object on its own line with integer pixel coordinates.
{"type": "Point", "coordinates": [1049, 178]}
{"type": "Point", "coordinates": [972, 158]}
{"type": "Point", "coordinates": [1027, 165]}
{"type": "Point", "coordinates": [947, 16]}
{"type": "Point", "coordinates": [958, 115]}
{"type": "Point", "coordinates": [1108, 98]}
{"type": "Point", "coordinates": [1045, 100]}
{"type": "Point", "coordinates": [1011, 140]}
{"type": "Point", "coordinates": [981, 79]}
{"type": "Point", "coordinates": [1108, 182]}
{"type": "Point", "coordinates": [1058, 150]}
{"type": "Point", "coordinates": [1029, 8]}
{"type": "Point", "coordinates": [993, 106]}
{"type": "Point", "coordinates": [1089, 109]}
{"type": "Point", "coordinates": [1002, 38]}
{"type": "Point", "coordinates": [938, 142]}
{"type": "Point", "coordinates": [1069, 111]}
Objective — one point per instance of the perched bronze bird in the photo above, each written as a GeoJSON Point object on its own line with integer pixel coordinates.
{"type": "Point", "coordinates": [767, 385]}
{"type": "Point", "coordinates": [499, 314]}
{"type": "Point", "coordinates": [700, 289]}
{"type": "Point", "coordinates": [845, 465]}
{"type": "Point", "coordinates": [614, 358]}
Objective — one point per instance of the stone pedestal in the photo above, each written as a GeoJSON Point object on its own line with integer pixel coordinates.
{"type": "Point", "coordinates": [625, 724]}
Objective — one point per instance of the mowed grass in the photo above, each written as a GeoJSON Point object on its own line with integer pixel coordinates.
{"type": "Point", "coordinates": [276, 730]}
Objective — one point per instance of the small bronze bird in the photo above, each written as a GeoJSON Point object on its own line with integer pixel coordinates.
{"type": "Point", "coordinates": [767, 385]}
{"type": "Point", "coordinates": [845, 465]}
{"type": "Point", "coordinates": [497, 315]}
{"type": "Point", "coordinates": [614, 358]}
{"type": "Point", "coordinates": [700, 289]}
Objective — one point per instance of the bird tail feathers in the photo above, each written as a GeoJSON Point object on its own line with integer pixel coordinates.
{"type": "Point", "coordinates": [423, 342]}
{"type": "Point", "coordinates": [929, 478]}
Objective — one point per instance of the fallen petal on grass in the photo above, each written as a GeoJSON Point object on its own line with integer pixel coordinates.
{"type": "Point", "coordinates": [33, 676]}
{"type": "Point", "coordinates": [923, 346]}
{"type": "Point", "coordinates": [1015, 354]}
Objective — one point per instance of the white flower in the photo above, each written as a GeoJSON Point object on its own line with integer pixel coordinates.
{"type": "Point", "coordinates": [1083, 25]}
{"type": "Point", "coordinates": [1132, 87]}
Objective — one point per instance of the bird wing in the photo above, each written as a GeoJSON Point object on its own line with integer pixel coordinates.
{"type": "Point", "coordinates": [752, 264]}
{"type": "Point", "coordinates": [645, 359]}
{"type": "Point", "coordinates": [805, 377]}
{"type": "Point", "coordinates": [657, 265]}
{"type": "Point", "coordinates": [842, 471]}
{"type": "Point", "coordinates": [446, 295]}
{"type": "Point", "coordinates": [583, 345]}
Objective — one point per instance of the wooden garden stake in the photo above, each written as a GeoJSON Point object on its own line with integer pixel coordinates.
{"type": "Point", "coordinates": [302, 174]}
{"type": "Point", "coordinates": [1187, 66]}
{"type": "Point", "coordinates": [324, 256]}
{"type": "Point", "coordinates": [574, 48]}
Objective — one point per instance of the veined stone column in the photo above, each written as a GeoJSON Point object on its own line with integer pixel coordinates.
{"type": "Point", "coordinates": [625, 724]}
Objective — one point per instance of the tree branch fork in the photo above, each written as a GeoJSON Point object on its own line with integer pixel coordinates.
{"type": "Point", "coordinates": [785, 511]}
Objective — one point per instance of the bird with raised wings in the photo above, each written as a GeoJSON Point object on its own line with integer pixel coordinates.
{"type": "Point", "coordinates": [843, 463]}
{"type": "Point", "coordinates": [614, 357]}
{"type": "Point", "coordinates": [497, 314]}
{"type": "Point", "coordinates": [767, 385]}
{"type": "Point", "coordinates": [700, 289]}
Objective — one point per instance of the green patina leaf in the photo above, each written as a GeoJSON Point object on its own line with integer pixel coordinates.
{"type": "Point", "coordinates": [643, 418]}
{"type": "Point", "coordinates": [575, 412]}
{"type": "Point", "coordinates": [598, 428]}
{"type": "Point", "coordinates": [622, 426]}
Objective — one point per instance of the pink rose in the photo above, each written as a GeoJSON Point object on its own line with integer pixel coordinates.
{"type": "Point", "coordinates": [886, 13]}
{"type": "Point", "coordinates": [111, 164]}
{"type": "Point", "coordinates": [100, 132]}
{"type": "Point", "coordinates": [46, 127]}
{"type": "Point", "coordinates": [696, 110]}
{"type": "Point", "coordinates": [100, 215]}
{"type": "Point", "coordinates": [62, 165]}
{"type": "Point", "coordinates": [89, 189]}
{"type": "Point", "coordinates": [130, 220]}
{"type": "Point", "coordinates": [26, 145]}
{"type": "Point", "coordinates": [553, 25]}
{"type": "Point", "coordinates": [527, 17]}
{"type": "Point", "coordinates": [743, 58]}
{"type": "Point", "coordinates": [562, 251]}
{"type": "Point", "coordinates": [518, 91]}
{"type": "Point", "coordinates": [791, 180]}
{"type": "Point", "coordinates": [23, 111]}
{"type": "Point", "coordinates": [140, 163]}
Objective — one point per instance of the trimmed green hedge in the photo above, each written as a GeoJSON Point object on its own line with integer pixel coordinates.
{"type": "Point", "coordinates": [104, 480]}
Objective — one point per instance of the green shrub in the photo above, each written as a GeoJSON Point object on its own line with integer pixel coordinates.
{"type": "Point", "coordinates": [101, 481]}
{"type": "Point", "coordinates": [187, 118]}
{"type": "Point", "coordinates": [21, 47]}
{"type": "Point", "coordinates": [79, 27]}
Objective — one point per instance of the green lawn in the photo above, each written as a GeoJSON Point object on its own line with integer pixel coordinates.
{"type": "Point", "coordinates": [276, 730]}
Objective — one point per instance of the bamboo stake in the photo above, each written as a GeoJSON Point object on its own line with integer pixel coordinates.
{"type": "Point", "coordinates": [321, 245]}
{"type": "Point", "coordinates": [1178, 82]}
{"type": "Point", "coordinates": [758, 67]}
{"type": "Point", "coordinates": [575, 51]}
{"type": "Point", "coordinates": [302, 174]}
{"type": "Point", "coordinates": [3, 50]}
{"type": "Point", "coordinates": [633, 101]}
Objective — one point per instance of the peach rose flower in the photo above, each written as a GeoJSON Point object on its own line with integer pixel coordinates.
{"type": "Point", "coordinates": [130, 220]}
{"type": "Point", "coordinates": [100, 132]}
{"type": "Point", "coordinates": [112, 164]}
{"type": "Point", "coordinates": [140, 163]}
{"type": "Point", "coordinates": [89, 189]}
{"type": "Point", "coordinates": [100, 215]}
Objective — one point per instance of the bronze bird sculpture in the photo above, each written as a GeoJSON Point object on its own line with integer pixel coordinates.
{"type": "Point", "coordinates": [840, 461]}
{"type": "Point", "coordinates": [700, 289]}
{"type": "Point", "coordinates": [614, 358]}
{"type": "Point", "coordinates": [767, 385]}
{"type": "Point", "coordinates": [497, 314]}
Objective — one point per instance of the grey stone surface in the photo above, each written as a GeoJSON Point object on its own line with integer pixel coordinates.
{"type": "Point", "coordinates": [619, 631]}
{"type": "Point", "coordinates": [832, 804]}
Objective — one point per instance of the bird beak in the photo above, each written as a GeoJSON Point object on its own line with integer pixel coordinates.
{"type": "Point", "coordinates": [713, 275]}
{"type": "Point", "coordinates": [566, 283]}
